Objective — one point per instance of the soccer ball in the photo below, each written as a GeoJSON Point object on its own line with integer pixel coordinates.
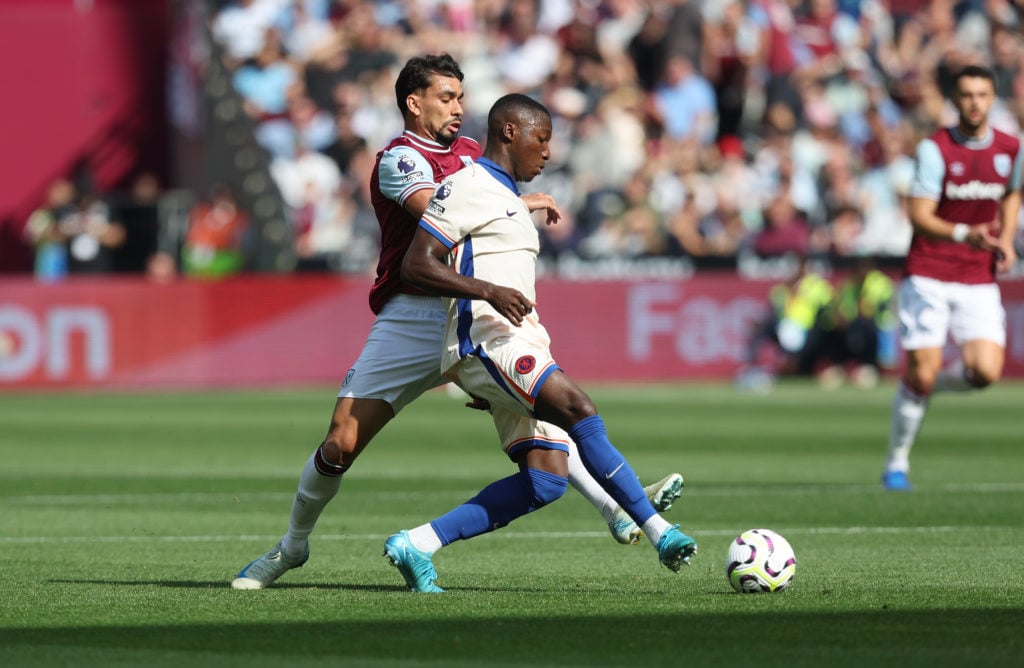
{"type": "Point", "coordinates": [760, 560]}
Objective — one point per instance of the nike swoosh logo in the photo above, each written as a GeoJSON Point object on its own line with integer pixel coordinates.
{"type": "Point", "coordinates": [616, 470]}
{"type": "Point", "coordinates": [509, 213]}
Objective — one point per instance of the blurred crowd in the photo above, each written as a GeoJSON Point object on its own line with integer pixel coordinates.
{"type": "Point", "coordinates": [79, 230]}
{"type": "Point", "coordinates": [695, 129]}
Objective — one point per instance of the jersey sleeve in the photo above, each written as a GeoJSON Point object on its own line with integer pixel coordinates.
{"type": "Point", "coordinates": [451, 215]}
{"type": "Point", "coordinates": [1015, 174]}
{"type": "Point", "coordinates": [402, 172]}
{"type": "Point", "coordinates": [929, 171]}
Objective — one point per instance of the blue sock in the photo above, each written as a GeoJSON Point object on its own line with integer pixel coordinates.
{"type": "Point", "coordinates": [610, 468]}
{"type": "Point", "coordinates": [499, 503]}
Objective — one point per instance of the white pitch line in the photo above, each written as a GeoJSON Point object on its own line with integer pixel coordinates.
{"type": "Point", "coordinates": [832, 489]}
{"type": "Point", "coordinates": [695, 491]}
{"type": "Point", "coordinates": [543, 535]}
{"type": "Point", "coordinates": [200, 497]}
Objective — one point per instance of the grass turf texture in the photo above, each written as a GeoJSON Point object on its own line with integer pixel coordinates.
{"type": "Point", "coordinates": [124, 517]}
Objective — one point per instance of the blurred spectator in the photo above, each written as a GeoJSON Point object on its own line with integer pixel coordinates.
{"type": "Point", "coordinates": [837, 184]}
{"type": "Point", "coordinates": [370, 52]}
{"type": "Point", "coordinates": [43, 231]}
{"type": "Point", "coordinates": [306, 28]}
{"type": "Point", "coordinates": [1006, 58]}
{"type": "Point", "coordinates": [624, 21]}
{"type": "Point", "coordinates": [322, 203]}
{"type": "Point", "coordinates": [214, 245]}
{"type": "Point", "coordinates": [730, 50]}
{"type": "Point", "coordinates": [785, 230]}
{"type": "Point", "coordinates": [685, 34]}
{"type": "Point", "coordinates": [798, 324]}
{"type": "Point", "coordinates": [525, 57]}
{"type": "Point", "coordinates": [866, 323]}
{"type": "Point", "coordinates": [303, 123]}
{"type": "Point", "coordinates": [307, 173]}
{"type": "Point", "coordinates": [264, 80]}
{"type": "Point", "coordinates": [684, 103]}
{"type": "Point", "coordinates": [323, 228]}
{"type": "Point", "coordinates": [719, 233]}
{"type": "Point", "coordinates": [325, 69]}
{"type": "Point", "coordinates": [137, 211]}
{"type": "Point", "coordinates": [90, 235]}
{"type": "Point", "coordinates": [161, 267]}
{"type": "Point", "coordinates": [242, 25]}
{"type": "Point", "coordinates": [347, 146]}
{"type": "Point", "coordinates": [607, 146]}
{"type": "Point", "coordinates": [631, 227]}
{"type": "Point", "coordinates": [731, 172]}
{"type": "Point", "coordinates": [776, 22]}
{"type": "Point", "coordinates": [816, 30]}
{"type": "Point", "coordinates": [846, 231]}
{"type": "Point", "coordinates": [646, 48]}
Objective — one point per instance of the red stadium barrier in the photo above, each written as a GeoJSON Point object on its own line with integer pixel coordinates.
{"type": "Point", "coordinates": [257, 331]}
{"type": "Point", "coordinates": [130, 333]}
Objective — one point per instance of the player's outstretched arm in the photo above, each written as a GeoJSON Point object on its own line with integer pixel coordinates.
{"type": "Point", "coordinates": [425, 266]}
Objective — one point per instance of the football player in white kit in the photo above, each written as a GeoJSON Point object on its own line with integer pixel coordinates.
{"type": "Point", "coordinates": [478, 244]}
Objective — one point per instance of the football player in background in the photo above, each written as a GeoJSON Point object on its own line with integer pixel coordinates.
{"type": "Point", "coordinates": [964, 203]}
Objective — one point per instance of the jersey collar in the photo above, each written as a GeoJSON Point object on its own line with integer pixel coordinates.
{"type": "Point", "coordinates": [426, 144]}
{"type": "Point", "coordinates": [497, 172]}
{"type": "Point", "coordinates": [962, 139]}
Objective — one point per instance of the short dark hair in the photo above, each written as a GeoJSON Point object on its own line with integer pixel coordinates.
{"type": "Point", "coordinates": [517, 105]}
{"type": "Point", "coordinates": [416, 74]}
{"type": "Point", "coordinates": [974, 72]}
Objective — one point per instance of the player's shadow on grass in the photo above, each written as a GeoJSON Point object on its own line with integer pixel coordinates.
{"type": "Point", "coordinates": [472, 636]}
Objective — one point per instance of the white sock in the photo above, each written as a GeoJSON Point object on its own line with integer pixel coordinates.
{"type": "Point", "coordinates": [908, 409]}
{"type": "Point", "coordinates": [318, 484]}
{"type": "Point", "coordinates": [425, 538]}
{"type": "Point", "coordinates": [580, 478]}
{"type": "Point", "coordinates": [953, 379]}
{"type": "Point", "coordinates": [654, 527]}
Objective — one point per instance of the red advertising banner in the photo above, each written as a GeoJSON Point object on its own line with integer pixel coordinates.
{"type": "Point", "coordinates": [131, 333]}
{"type": "Point", "coordinates": [258, 331]}
{"type": "Point", "coordinates": [663, 330]}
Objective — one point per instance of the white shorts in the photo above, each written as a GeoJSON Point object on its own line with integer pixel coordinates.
{"type": "Point", "coordinates": [509, 376]}
{"type": "Point", "coordinates": [518, 432]}
{"type": "Point", "coordinates": [930, 310]}
{"type": "Point", "coordinates": [402, 356]}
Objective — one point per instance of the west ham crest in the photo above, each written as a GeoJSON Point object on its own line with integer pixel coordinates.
{"type": "Point", "coordinates": [1002, 163]}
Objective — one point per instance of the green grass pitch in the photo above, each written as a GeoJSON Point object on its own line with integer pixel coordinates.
{"type": "Point", "coordinates": [123, 518]}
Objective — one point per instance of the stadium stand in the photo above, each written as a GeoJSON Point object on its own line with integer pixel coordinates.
{"type": "Point", "coordinates": [799, 116]}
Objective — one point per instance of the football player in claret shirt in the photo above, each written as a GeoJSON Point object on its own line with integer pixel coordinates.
{"type": "Point", "coordinates": [964, 203]}
{"type": "Point", "coordinates": [402, 355]}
